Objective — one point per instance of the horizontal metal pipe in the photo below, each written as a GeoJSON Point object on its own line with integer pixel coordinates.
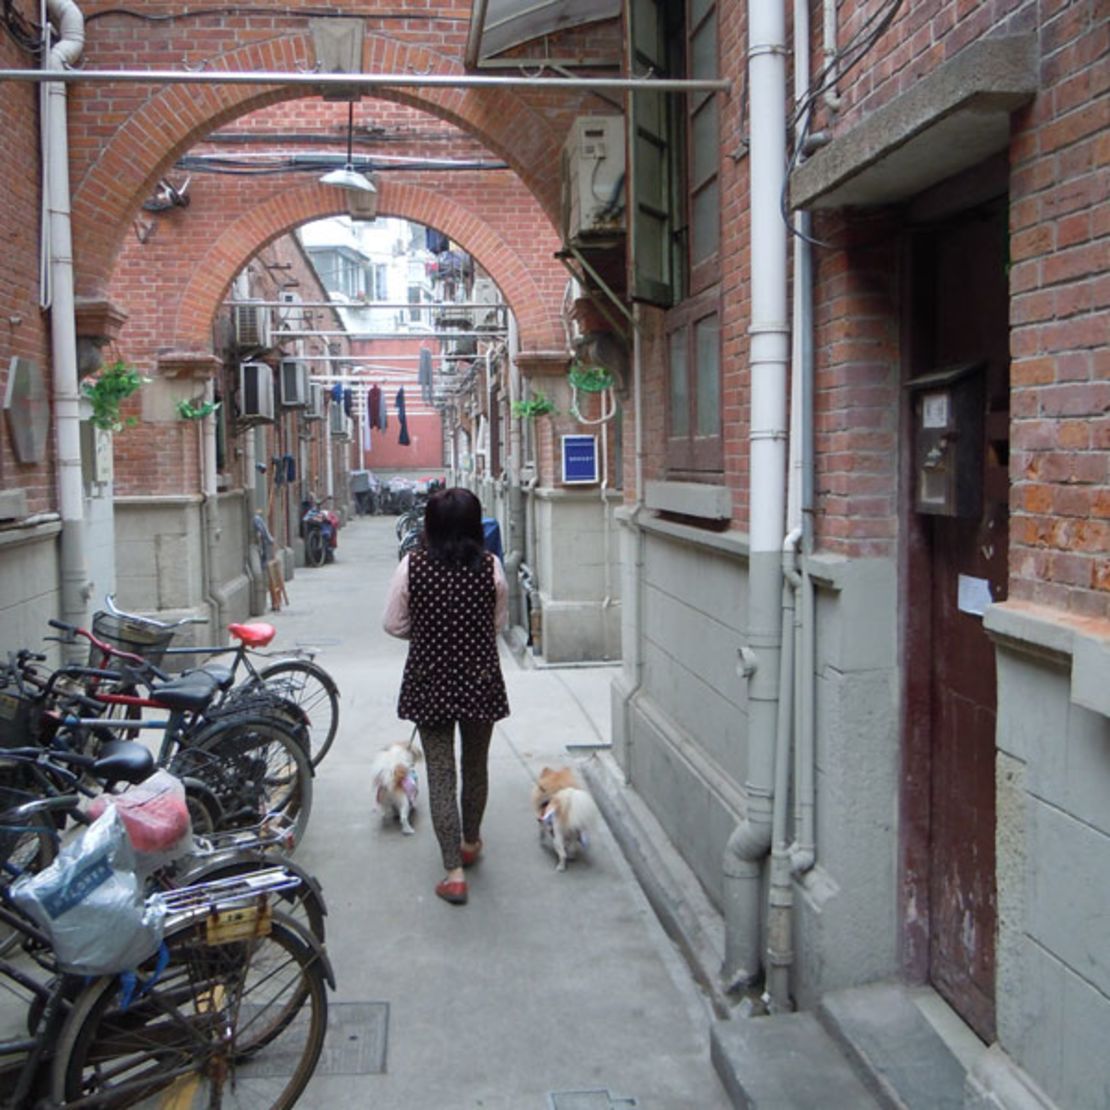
{"type": "Point", "coordinates": [489, 333]}
{"type": "Point", "coordinates": [360, 360]}
{"type": "Point", "coordinates": [294, 305]}
{"type": "Point", "coordinates": [363, 80]}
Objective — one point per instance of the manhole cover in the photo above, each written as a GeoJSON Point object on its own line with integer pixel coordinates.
{"type": "Point", "coordinates": [586, 1100]}
{"type": "Point", "coordinates": [354, 1044]}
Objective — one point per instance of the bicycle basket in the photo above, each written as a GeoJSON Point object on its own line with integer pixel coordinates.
{"type": "Point", "coordinates": [133, 634]}
{"type": "Point", "coordinates": [20, 719]}
{"type": "Point", "coordinates": [17, 838]}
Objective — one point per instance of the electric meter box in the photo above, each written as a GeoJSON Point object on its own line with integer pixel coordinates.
{"type": "Point", "coordinates": [948, 441]}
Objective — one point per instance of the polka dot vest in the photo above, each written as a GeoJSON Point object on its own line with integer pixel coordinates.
{"type": "Point", "coordinates": [452, 672]}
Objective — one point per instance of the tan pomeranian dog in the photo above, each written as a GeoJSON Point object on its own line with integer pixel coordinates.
{"type": "Point", "coordinates": [393, 776]}
{"type": "Point", "coordinates": [565, 812]}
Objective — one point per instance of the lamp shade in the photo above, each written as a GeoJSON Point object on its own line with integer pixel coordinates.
{"type": "Point", "coordinates": [349, 178]}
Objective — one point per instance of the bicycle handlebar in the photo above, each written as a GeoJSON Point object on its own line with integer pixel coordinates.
{"type": "Point", "coordinates": [111, 606]}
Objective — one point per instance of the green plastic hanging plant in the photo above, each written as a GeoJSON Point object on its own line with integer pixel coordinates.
{"type": "Point", "coordinates": [536, 405]}
{"type": "Point", "coordinates": [189, 410]}
{"type": "Point", "coordinates": [108, 390]}
{"type": "Point", "coordinates": [589, 379]}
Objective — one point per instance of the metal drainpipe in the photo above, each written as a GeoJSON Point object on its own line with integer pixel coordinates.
{"type": "Point", "coordinates": [795, 677]}
{"type": "Point", "coordinates": [516, 496]}
{"type": "Point", "coordinates": [751, 839]}
{"type": "Point", "coordinates": [780, 903]}
{"type": "Point", "coordinates": [76, 589]}
{"type": "Point", "coordinates": [211, 513]}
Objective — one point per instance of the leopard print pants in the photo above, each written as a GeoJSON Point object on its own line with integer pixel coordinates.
{"type": "Point", "coordinates": [438, 741]}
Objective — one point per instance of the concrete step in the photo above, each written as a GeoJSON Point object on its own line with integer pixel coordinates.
{"type": "Point", "coordinates": [897, 1052]}
{"type": "Point", "coordinates": [785, 1062]}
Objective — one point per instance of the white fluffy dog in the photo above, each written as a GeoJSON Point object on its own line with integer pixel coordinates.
{"type": "Point", "coordinates": [393, 775]}
{"type": "Point", "coordinates": [565, 812]}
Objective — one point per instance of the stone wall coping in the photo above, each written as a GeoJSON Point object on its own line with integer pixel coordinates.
{"type": "Point", "coordinates": [561, 493]}
{"type": "Point", "coordinates": [945, 122]}
{"type": "Point", "coordinates": [159, 500]}
{"type": "Point", "coordinates": [29, 533]}
{"type": "Point", "coordinates": [1061, 638]}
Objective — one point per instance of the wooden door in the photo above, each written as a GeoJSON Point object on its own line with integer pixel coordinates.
{"type": "Point", "coordinates": [963, 312]}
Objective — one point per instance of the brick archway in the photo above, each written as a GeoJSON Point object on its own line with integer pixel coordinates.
{"type": "Point", "coordinates": [126, 167]}
{"type": "Point", "coordinates": [206, 287]}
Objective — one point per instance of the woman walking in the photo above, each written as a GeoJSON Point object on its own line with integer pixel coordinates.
{"type": "Point", "coordinates": [449, 600]}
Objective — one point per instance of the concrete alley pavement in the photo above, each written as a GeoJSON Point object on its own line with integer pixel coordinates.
{"type": "Point", "coordinates": [548, 990]}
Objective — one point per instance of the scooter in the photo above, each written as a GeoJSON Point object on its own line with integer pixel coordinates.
{"type": "Point", "coordinates": [320, 528]}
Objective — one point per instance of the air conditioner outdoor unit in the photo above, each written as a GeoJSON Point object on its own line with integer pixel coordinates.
{"type": "Point", "coordinates": [294, 383]}
{"type": "Point", "coordinates": [315, 409]}
{"type": "Point", "coordinates": [592, 178]}
{"type": "Point", "coordinates": [252, 326]}
{"type": "Point", "coordinates": [292, 318]}
{"type": "Point", "coordinates": [340, 424]}
{"type": "Point", "coordinates": [256, 393]}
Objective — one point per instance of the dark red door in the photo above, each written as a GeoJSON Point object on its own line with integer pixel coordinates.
{"type": "Point", "coordinates": [965, 312]}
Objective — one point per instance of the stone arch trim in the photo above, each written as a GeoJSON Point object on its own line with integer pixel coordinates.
{"type": "Point", "coordinates": [537, 316]}
{"type": "Point", "coordinates": [128, 166]}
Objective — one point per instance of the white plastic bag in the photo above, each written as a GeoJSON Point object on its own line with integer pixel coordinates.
{"type": "Point", "coordinates": [90, 902]}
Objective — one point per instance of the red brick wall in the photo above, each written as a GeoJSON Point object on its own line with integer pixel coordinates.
{"type": "Point", "coordinates": [117, 165]}
{"type": "Point", "coordinates": [23, 327]}
{"type": "Point", "coordinates": [1060, 371]}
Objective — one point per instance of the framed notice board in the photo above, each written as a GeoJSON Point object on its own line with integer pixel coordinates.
{"type": "Point", "coordinates": [579, 460]}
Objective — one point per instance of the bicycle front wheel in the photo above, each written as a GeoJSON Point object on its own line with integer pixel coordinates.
{"type": "Point", "coordinates": [253, 767]}
{"type": "Point", "coordinates": [309, 687]}
{"type": "Point", "coordinates": [237, 1024]}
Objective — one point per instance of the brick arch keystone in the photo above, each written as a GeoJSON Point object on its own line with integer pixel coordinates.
{"type": "Point", "coordinates": [147, 144]}
{"type": "Point", "coordinates": [537, 315]}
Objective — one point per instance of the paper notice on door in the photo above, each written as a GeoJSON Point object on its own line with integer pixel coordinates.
{"type": "Point", "coordinates": [974, 595]}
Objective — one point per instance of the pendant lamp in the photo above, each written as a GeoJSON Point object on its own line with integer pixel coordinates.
{"type": "Point", "coordinates": [348, 177]}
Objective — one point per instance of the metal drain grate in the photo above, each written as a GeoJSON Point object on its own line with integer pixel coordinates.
{"type": "Point", "coordinates": [357, 1039]}
{"type": "Point", "coordinates": [354, 1044]}
{"type": "Point", "coordinates": [587, 1100]}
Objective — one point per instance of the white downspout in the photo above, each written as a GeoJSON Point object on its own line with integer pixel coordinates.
{"type": "Point", "coordinates": [515, 540]}
{"type": "Point", "coordinates": [210, 508]}
{"type": "Point", "coordinates": [750, 841]}
{"type": "Point", "coordinates": [780, 909]}
{"type": "Point", "coordinates": [832, 97]}
{"type": "Point", "coordinates": [76, 589]}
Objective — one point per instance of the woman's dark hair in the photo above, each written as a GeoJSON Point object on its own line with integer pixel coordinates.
{"type": "Point", "coordinates": [453, 528]}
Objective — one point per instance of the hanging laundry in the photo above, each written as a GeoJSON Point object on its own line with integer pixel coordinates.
{"type": "Point", "coordinates": [367, 442]}
{"type": "Point", "coordinates": [436, 241]}
{"type": "Point", "coordinates": [403, 438]}
{"type": "Point", "coordinates": [348, 401]}
{"type": "Point", "coordinates": [424, 375]}
{"type": "Point", "coordinates": [374, 406]}
{"type": "Point", "coordinates": [337, 392]}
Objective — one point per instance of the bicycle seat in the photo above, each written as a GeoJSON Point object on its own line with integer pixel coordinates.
{"type": "Point", "coordinates": [221, 672]}
{"type": "Point", "coordinates": [253, 635]}
{"type": "Point", "coordinates": [123, 761]}
{"type": "Point", "coordinates": [193, 690]}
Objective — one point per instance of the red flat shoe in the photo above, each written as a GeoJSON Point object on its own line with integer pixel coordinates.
{"type": "Point", "coordinates": [453, 892]}
{"type": "Point", "coordinates": [470, 855]}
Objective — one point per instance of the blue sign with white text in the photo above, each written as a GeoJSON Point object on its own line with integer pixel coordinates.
{"type": "Point", "coordinates": [579, 459]}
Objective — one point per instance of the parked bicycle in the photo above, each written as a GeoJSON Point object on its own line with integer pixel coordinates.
{"type": "Point", "coordinates": [238, 766]}
{"type": "Point", "coordinates": [293, 676]}
{"type": "Point", "coordinates": [229, 1010]}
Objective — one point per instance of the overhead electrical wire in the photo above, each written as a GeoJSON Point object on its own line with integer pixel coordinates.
{"type": "Point", "coordinates": [841, 63]}
{"type": "Point", "coordinates": [276, 10]}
